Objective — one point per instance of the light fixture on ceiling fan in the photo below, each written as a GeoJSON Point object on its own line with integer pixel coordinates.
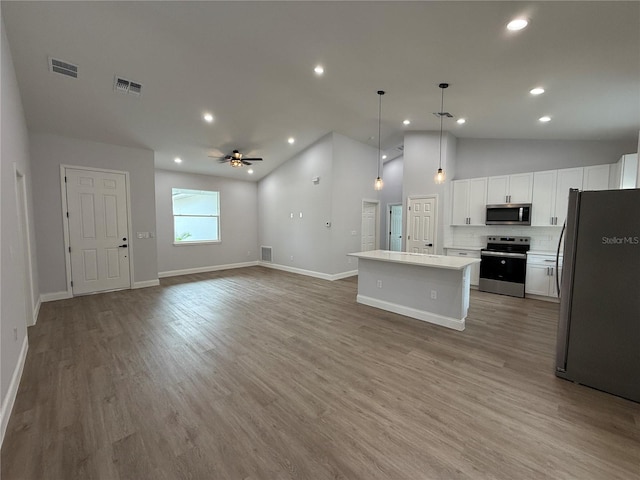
{"type": "Point", "coordinates": [379, 183]}
{"type": "Point", "coordinates": [236, 159]}
{"type": "Point", "coordinates": [440, 175]}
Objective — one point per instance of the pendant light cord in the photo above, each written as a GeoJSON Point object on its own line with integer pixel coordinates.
{"type": "Point", "coordinates": [441, 114]}
{"type": "Point", "coordinates": [380, 93]}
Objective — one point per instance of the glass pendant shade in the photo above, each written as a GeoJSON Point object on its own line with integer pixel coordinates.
{"type": "Point", "coordinates": [439, 176]}
{"type": "Point", "coordinates": [378, 184]}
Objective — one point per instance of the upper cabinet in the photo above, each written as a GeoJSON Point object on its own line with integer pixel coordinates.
{"type": "Point", "coordinates": [516, 188]}
{"type": "Point", "coordinates": [551, 195]}
{"type": "Point", "coordinates": [469, 199]}
{"type": "Point", "coordinates": [624, 173]}
{"type": "Point", "coordinates": [596, 177]}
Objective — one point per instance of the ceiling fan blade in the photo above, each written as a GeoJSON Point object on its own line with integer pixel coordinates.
{"type": "Point", "coordinates": [253, 159]}
{"type": "Point", "coordinates": [245, 162]}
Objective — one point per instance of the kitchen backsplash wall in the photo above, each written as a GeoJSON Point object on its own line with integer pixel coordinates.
{"type": "Point", "coordinates": [542, 238]}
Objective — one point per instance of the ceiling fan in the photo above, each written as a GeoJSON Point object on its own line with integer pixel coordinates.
{"type": "Point", "coordinates": [236, 159]}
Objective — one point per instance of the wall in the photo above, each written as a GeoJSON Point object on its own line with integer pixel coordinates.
{"type": "Point", "coordinates": [421, 160]}
{"type": "Point", "coordinates": [354, 172]}
{"type": "Point", "coordinates": [346, 171]}
{"type": "Point", "coordinates": [48, 152]}
{"type": "Point", "coordinates": [15, 311]}
{"type": "Point", "coordinates": [487, 157]}
{"type": "Point", "coordinates": [238, 224]}
{"type": "Point", "coordinates": [284, 194]}
{"type": "Point", "coordinates": [391, 193]}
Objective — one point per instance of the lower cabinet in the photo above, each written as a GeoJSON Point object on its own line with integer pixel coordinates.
{"type": "Point", "coordinates": [542, 274]}
{"type": "Point", "coordinates": [475, 268]}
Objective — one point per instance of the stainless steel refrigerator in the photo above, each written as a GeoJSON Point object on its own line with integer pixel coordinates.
{"type": "Point", "coordinates": [599, 328]}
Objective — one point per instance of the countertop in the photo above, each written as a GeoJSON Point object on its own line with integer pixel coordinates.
{"type": "Point", "coordinates": [420, 259]}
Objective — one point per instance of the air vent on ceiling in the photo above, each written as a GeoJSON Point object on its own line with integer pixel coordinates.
{"type": "Point", "coordinates": [123, 85]}
{"type": "Point", "coordinates": [63, 68]}
{"type": "Point", "coordinates": [265, 254]}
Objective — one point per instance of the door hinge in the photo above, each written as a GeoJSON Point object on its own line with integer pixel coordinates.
{"type": "Point", "coordinates": [69, 249]}
{"type": "Point", "coordinates": [72, 283]}
{"type": "Point", "coordinates": [409, 237]}
{"type": "Point", "coordinates": [409, 207]}
{"type": "Point", "coordinates": [65, 179]}
{"type": "Point", "coordinates": [67, 214]}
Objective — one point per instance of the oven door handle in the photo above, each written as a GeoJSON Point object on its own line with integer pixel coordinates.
{"type": "Point", "coordinates": [503, 254]}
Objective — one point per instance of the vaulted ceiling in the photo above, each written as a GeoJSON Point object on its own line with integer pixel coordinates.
{"type": "Point", "coordinates": [251, 65]}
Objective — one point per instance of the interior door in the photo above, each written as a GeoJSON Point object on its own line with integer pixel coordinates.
{"type": "Point", "coordinates": [421, 225]}
{"type": "Point", "coordinates": [395, 228]}
{"type": "Point", "coordinates": [369, 215]}
{"type": "Point", "coordinates": [98, 230]}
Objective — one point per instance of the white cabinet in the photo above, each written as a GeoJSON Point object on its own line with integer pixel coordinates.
{"type": "Point", "coordinates": [568, 178]}
{"type": "Point", "coordinates": [542, 274]}
{"type": "Point", "coordinates": [624, 173]}
{"type": "Point", "coordinates": [510, 188]}
{"type": "Point", "coordinates": [475, 268]}
{"type": "Point", "coordinates": [596, 177]}
{"type": "Point", "coordinates": [551, 195]}
{"type": "Point", "coordinates": [469, 199]}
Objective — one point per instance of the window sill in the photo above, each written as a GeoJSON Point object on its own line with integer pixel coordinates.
{"type": "Point", "coordinates": [204, 242]}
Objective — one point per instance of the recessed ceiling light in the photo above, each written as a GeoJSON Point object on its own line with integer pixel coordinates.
{"type": "Point", "coordinates": [250, 171]}
{"type": "Point", "coordinates": [460, 121]}
{"type": "Point", "coordinates": [384, 157]}
{"type": "Point", "coordinates": [177, 160]}
{"type": "Point", "coordinates": [536, 91]}
{"type": "Point", "coordinates": [319, 70]}
{"type": "Point", "coordinates": [406, 122]}
{"type": "Point", "coordinates": [545, 119]}
{"type": "Point", "coordinates": [208, 117]}
{"type": "Point", "coordinates": [517, 24]}
{"type": "Point", "coordinates": [291, 140]}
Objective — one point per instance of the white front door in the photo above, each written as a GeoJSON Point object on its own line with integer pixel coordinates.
{"type": "Point", "coordinates": [369, 230]}
{"type": "Point", "coordinates": [98, 230]}
{"type": "Point", "coordinates": [395, 228]}
{"type": "Point", "coordinates": [421, 225]}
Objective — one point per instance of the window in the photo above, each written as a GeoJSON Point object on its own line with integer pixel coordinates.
{"type": "Point", "coordinates": [196, 216]}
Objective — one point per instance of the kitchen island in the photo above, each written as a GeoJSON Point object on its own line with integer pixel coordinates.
{"type": "Point", "coordinates": [432, 288]}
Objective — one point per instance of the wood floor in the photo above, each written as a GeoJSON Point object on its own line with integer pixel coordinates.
{"type": "Point", "coordinates": [260, 374]}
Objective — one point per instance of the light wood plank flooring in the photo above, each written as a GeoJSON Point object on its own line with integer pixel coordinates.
{"type": "Point", "coordinates": [261, 374]}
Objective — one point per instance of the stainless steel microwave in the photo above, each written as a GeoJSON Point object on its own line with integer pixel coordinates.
{"type": "Point", "coordinates": [509, 214]}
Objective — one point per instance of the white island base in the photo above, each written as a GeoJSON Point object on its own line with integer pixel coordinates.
{"type": "Point", "coordinates": [432, 288]}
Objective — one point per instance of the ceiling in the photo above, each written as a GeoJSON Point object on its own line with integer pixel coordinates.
{"type": "Point", "coordinates": [251, 65]}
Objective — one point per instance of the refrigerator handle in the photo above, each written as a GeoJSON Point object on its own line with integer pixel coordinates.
{"type": "Point", "coordinates": [566, 290]}
{"type": "Point", "coordinates": [559, 277]}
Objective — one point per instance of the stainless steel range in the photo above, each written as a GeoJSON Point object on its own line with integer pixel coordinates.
{"type": "Point", "coordinates": [504, 265]}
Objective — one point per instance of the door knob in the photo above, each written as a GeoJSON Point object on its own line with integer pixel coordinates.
{"type": "Point", "coordinates": [428, 244]}
{"type": "Point", "coordinates": [122, 246]}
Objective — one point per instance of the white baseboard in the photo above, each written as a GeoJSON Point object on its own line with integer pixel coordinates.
{"type": "Point", "coordinates": [146, 283]}
{"type": "Point", "coordinates": [212, 268]}
{"type": "Point", "coordinates": [36, 311]}
{"type": "Point", "coordinates": [340, 276]}
{"type": "Point", "coordinates": [10, 398]}
{"type": "Point", "coordinates": [309, 273]}
{"type": "Point", "coordinates": [52, 297]}
{"type": "Point", "coordinates": [449, 322]}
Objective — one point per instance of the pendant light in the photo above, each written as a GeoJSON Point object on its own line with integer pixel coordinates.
{"type": "Point", "coordinates": [440, 176]}
{"type": "Point", "coordinates": [378, 183]}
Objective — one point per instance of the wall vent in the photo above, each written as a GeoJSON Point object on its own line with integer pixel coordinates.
{"type": "Point", "coordinates": [123, 85]}
{"type": "Point", "coordinates": [265, 254]}
{"type": "Point", "coordinates": [63, 68]}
